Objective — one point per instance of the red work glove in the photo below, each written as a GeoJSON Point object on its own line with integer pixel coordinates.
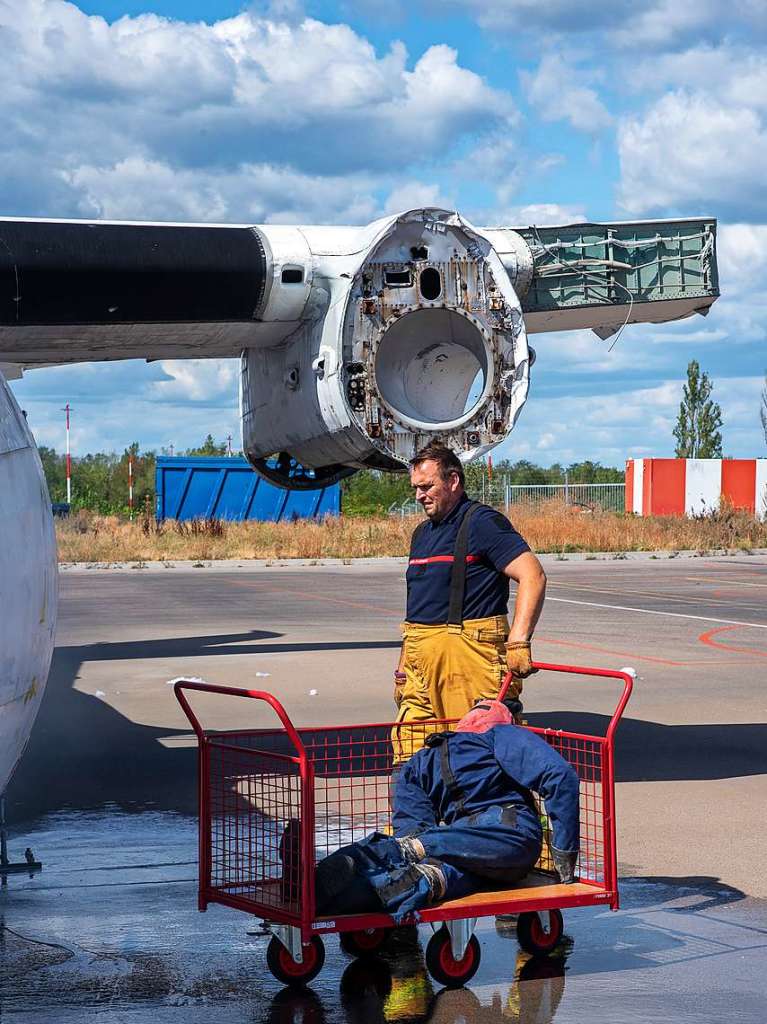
{"type": "Point", "coordinates": [518, 660]}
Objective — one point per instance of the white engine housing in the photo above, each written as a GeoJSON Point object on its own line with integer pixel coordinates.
{"type": "Point", "coordinates": [404, 331]}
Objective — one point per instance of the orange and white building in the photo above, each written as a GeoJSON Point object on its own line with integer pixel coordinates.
{"type": "Point", "coordinates": [679, 487]}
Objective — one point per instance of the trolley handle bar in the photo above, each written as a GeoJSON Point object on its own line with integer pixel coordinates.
{"type": "Point", "coordinates": [233, 691]}
{"type": "Point", "coordinates": [578, 670]}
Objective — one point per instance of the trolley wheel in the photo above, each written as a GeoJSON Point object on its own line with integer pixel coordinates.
{"type": "Point", "coordinates": [365, 942]}
{"type": "Point", "coordinates": [284, 967]}
{"type": "Point", "coordinates": [531, 936]}
{"type": "Point", "coordinates": [443, 966]}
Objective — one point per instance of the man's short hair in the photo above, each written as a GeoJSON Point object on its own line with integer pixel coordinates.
{"type": "Point", "coordinates": [447, 461]}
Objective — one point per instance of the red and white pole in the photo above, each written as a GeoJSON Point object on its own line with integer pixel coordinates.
{"type": "Point", "coordinates": [69, 460]}
{"type": "Point", "coordinates": [130, 486]}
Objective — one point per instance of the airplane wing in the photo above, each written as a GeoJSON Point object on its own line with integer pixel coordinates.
{"type": "Point", "coordinates": [74, 291]}
{"type": "Point", "coordinates": [77, 291]}
{"type": "Point", "coordinates": [605, 275]}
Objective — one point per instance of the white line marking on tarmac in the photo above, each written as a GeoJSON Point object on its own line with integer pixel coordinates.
{"type": "Point", "coordinates": [652, 611]}
{"type": "Point", "coordinates": [729, 582]}
{"type": "Point", "coordinates": [679, 598]}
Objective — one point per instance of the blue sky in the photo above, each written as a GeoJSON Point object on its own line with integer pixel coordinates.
{"type": "Point", "coordinates": [513, 111]}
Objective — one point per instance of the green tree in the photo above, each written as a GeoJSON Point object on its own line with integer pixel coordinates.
{"type": "Point", "coordinates": [594, 473]}
{"type": "Point", "coordinates": [55, 473]}
{"type": "Point", "coordinates": [697, 428]}
{"type": "Point", "coordinates": [208, 447]}
{"type": "Point", "coordinates": [372, 492]}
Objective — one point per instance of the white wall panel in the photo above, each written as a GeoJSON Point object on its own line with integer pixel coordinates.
{"type": "Point", "coordinates": [761, 489]}
{"type": "Point", "coordinates": [638, 485]}
{"type": "Point", "coordinates": [703, 485]}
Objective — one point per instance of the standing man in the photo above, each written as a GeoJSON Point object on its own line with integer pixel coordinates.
{"type": "Point", "coordinates": [457, 642]}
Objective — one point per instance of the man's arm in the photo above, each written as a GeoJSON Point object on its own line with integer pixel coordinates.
{"type": "Point", "coordinates": [528, 574]}
{"type": "Point", "coordinates": [529, 760]}
{"type": "Point", "coordinates": [530, 578]}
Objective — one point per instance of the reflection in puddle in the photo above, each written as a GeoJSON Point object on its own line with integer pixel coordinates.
{"type": "Point", "coordinates": [395, 987]}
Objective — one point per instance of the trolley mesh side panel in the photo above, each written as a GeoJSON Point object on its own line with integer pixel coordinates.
{"type": "Point", "coordinates": [255, 810]}
{"type": "Point", "coordinates": [255, 804]}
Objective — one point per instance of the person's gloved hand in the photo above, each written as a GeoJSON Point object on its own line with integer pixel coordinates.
{"type": "Point", "coordinates": [565, 864]}
{"type": "Point", "coordinates": [409, 907]}
{"type": "Point", "coordinates": [518, 658]}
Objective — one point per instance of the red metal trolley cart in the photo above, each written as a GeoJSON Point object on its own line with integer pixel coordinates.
{"type": "Point", "coordinates": [272, 802]}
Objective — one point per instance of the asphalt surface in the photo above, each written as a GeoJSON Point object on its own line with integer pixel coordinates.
{"type": "Point", "coordinates": [105, 795]}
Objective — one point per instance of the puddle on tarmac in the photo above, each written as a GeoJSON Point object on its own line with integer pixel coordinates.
{"type": "Point", "coordinates": [109, 931]}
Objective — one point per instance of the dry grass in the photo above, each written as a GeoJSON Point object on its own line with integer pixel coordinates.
{"type": "Point", "coordinates": [553, 528]}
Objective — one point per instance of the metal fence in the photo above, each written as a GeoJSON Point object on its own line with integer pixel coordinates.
{"type": "Point", "coordinates": [609, 497]}
{"type": "Point", "coordinates": [501, 494]}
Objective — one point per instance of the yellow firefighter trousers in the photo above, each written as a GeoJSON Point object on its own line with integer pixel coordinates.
{"type": "Point", "coordinates": [448, 669]}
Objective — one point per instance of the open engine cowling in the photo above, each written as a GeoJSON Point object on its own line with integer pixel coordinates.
{"type": "Point", "coordinates": [413, 331]}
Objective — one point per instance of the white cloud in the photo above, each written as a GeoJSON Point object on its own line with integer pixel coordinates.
{"type": "Point", "coordinates": [623, 23]}
{"type": "Point", "coordinates": [732, 72]}
{"type": "Point", "coordinates": [531, 15]}
{"type": "Point", "coordinates": [611, 427]}
{"type": "Point", "coordinates": [667, 21]}
{"type": "Point", "coordinates": [92, 107]}
{"type": "Point", "coordinates": [195, 380]}
{"type": "Point", "coordinates": [538, 214]}
{"type": "Point", "coordinates": [701, 146]}
{"type": "Point", "coordinates": [558, 91]}
{"type": "Point", "coordinates": [412, 195]}
{"type": "Point", "coordinates": [115, 404]}
{"type": "Point", "coordinates": [254, 193]}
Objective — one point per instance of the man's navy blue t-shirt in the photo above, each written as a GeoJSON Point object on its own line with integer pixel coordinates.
{"type": "Point", "coordinates": [493, 543]}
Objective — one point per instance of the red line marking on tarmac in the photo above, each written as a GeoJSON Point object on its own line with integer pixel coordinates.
{"type": "Point", "coordinates": [707, 638]}
{"type": "Point", "coordinates": [609, 650]}
{"type": "Point", "coordinates": [731, 580]}
{"type": "Point", "coordinates": [756, 571]}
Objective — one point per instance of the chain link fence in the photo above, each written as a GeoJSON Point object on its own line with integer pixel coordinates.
{"type": "Point", "coordinates": [498, 492]}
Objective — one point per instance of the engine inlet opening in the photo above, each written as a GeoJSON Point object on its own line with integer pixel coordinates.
{"type": "Point", "coordinates": [432, 368]}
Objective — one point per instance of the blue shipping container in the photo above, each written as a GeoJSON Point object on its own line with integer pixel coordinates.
{"type": "Point", "coordinates": [203, 487]}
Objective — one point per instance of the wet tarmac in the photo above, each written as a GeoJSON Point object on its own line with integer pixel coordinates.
{"type": "Point", "coordinates": [105, 796]}
{"type": "Point", "coordinates": [109, 931]}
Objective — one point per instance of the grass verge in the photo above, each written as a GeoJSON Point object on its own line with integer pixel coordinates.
{"type": "Point", "coordinates": [553, 527]}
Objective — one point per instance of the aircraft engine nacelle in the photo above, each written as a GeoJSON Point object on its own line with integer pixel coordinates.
{"type": "Point", "coordinates": [407, 330]}
{"type": "Point", "coordinates": [359, 345]}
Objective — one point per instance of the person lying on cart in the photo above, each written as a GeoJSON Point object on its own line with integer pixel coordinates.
{"type": "Point", "coordinates": [464, 821]}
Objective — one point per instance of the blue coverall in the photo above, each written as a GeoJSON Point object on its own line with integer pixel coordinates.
{"type": "Point", "coordinates": [467, 798]}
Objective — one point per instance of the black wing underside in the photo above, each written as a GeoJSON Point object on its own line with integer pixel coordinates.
{"type": "Point", "coordinates": [73, 291]}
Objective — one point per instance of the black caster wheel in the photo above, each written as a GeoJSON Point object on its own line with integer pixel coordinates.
{"type": "Point", "coordinates": [531, 936]}
{"type": "Point", "coordinates": [442, 965]}
{"type": "Point", "coordinates": [284, 967]}
{"type": "Point", "coordinates": [366, 942]}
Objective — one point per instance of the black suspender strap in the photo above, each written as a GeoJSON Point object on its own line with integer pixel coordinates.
{"type": "Point", "coordinates": [458, 574]}
{"type": "Point", "coordinates": [454, 791]}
